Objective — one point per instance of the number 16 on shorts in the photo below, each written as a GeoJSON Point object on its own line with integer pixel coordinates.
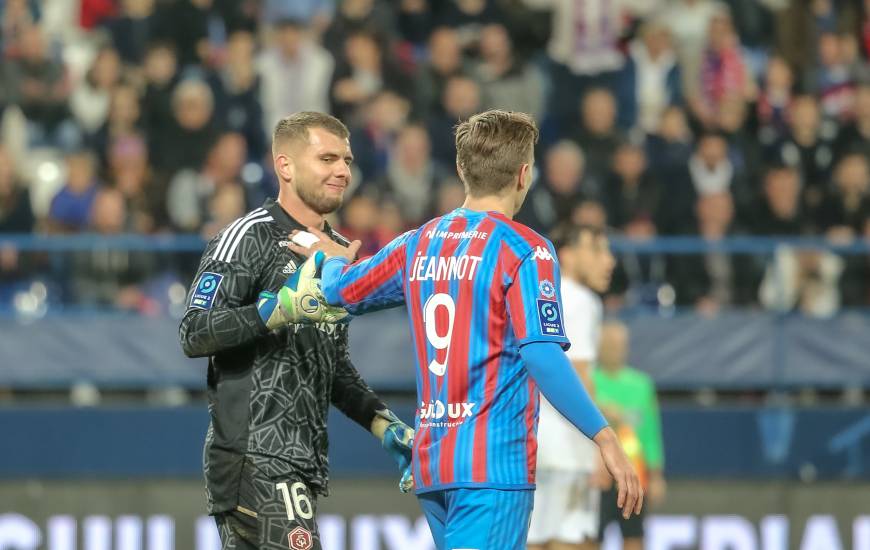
{"type": "Point", "coordinates": [298, 507]}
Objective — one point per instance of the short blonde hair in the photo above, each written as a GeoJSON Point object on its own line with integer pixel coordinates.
{"type": "Point", "coordinates": [490, 148]}
{"type": "Point", "coordinates": [295, 127]}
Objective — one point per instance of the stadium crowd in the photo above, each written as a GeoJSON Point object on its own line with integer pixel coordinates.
{"type": "Point", "coordinates": [658, 117]}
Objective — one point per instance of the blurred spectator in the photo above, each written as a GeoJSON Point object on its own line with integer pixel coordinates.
{"type": "Point", "coordinates": [445, 61]}
{"type": "Point", "coordinates": [802, 280]}
{"type": "Point", "coordinates": [144, 193]}
{"type": "Point", "coordinates": [370, 141]}
{"type": "Point", "coordinates": [710, 168]}
{"type": "Point", "coordinates": [39, 84]}
{"type": "Point", "coordinates": [670, 147]}
{"type": "Point", "coordinates": [316, 14]}
{"type": "Point", "coordinates": [414, 21]}
{"type": "Point", "coordinates": [631, 196]}
{"type": "Point", "coordinates": [90, 99]}
{"type": "Point", "coordinates": [650, 80]}
{"type": "Point", "coordinates": [70, 208]}
{"type": "Point", "coordinates": [505, 81]}
{"type": "Point", "coordinates": [460, 100]}
{"type": "Point", "coordinates": [689, 23]}
{"type": "Point", "coordinates": [833, 78]}
{"type": "Point", "coordinates": [16, 16]}
{"type": "Point", "coordinates": [723, 72]}
{"type": "Point", "coordinates": [591, 213]}
{"type": "Point", "coordinates": [451, 195]}
{"type": "Point", "coordinates": [598, 135]}
{"type": "Point", "coordinates": [744, 151]}
{"type": "Point", "coordinates": [780, 211]}
{"type": "Point", "coordinates": [227, 204]}
{"type": "Point", "coordinates": [193, 130]}
{"type": "Point", "coordinates": [160, 71]}
{"type": "Point", "coordinates": [102, 278]}
{"type": "Point", "coordinates": [132, 29]}
{"type": "Point", "coordinates": [800, 25]}
{"type": "Point", "coordinates": [360, 220]}
{"type": "Point", "coordinates": [355, 16]}
{"type": "Point", "coordinates": [468, 17]}
{"type": "Point", "coordinates": [124, 118]}
{"type": "Point", "coordinates": [773, 105]}
{"type": "Point", "coordinates": [16, 214]}
{"type": "Point", "coordinates": [296, 73]}
{"type": "Point", "coordinates": [808, 148]}
{"type": "Point", "coordinates": [553, 197]}
{"type": "Point", "coordinates": [845, 211]}
{"type": "Point", "coordinates": [191, 189]}
{"type": "Point", "coordinates": [239, 93]}
{"type": "Point", "coordinates": [855, 136]}
{"type": "Point", "coordinates": [186, 24]}
{"type": "Point", "coordinates": [365, 69]}
{"type": "Point", "coordinates": [713, 280]}
{"type": "Point", "coordinates": [412, 177]}
{"type": "Point", "coordinates": [583, 49]}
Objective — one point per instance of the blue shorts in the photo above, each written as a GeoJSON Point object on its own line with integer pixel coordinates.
{"type": "Point", "coordinates": [478, 519]}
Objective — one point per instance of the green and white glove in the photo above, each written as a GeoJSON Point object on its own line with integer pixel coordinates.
{"type": "Point", "coordinates": [300, 300]}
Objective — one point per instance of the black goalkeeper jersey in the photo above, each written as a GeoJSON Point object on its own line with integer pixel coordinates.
{"type": "Point", "coordinates": [269, 391]}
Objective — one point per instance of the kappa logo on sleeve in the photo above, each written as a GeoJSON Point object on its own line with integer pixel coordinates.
{"type": "Point", "coordinates": [206, 289]}
{"type": "Point", "coordinates": [542, 253]}
{"type": "Point", "coordinates": [551, 318]}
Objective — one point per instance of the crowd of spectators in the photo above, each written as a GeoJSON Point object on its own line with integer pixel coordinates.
{"type": "Point", "coordinates": [658, 117]}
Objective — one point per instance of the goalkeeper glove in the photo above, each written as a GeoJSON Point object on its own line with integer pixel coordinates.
{"type": "Point", "coordinates": [300, 300]}
{"type": "Point", "coordinates": [397, 440]}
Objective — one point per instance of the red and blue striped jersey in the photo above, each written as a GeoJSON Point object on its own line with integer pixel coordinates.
{"type": "Point", "coordinates": [477, 287]}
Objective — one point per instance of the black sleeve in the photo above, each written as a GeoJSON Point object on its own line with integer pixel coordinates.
{"type": "Point", "coordinates": [221, 303]}
{"type": "Point", "coordinates": [350, 394]}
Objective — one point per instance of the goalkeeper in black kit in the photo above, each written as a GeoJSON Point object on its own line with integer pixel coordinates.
{"type": "Point", "coordinates": [278, 359]}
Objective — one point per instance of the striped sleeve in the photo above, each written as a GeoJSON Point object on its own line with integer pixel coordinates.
{"type": "Point", "coordinates": [534, 300]}
{"type": "Point", "coordinates": [370, 284]}
{"type": "Point", "coordinates": [232, 236]}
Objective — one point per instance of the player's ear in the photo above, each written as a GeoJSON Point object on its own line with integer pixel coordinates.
{"type": "Point", "coordinates": [523, 178]}
{"type": "Point", "coordinates": [284, 167]}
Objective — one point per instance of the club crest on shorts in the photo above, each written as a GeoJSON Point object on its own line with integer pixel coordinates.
{"type": "Point", "coordinates": [205, 290]}
{"type": "Point", "coordinates": [551, 318]}
{"type": "Point", "coordinates": [300, 539]}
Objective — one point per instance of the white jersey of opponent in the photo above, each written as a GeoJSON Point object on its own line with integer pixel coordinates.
{"type": "Point", "coordinates": [560, 445]}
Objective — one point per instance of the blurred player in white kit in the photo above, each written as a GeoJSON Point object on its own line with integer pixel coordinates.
{"type": "Point", "coordinates": [566, 509]}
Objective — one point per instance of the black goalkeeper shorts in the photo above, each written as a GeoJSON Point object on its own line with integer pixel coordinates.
{"type": "Point", "coordinates": [272, 514]}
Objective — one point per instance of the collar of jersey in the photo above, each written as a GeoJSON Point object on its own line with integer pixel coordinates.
{"type": "Point", "coordinates": [285, 220]}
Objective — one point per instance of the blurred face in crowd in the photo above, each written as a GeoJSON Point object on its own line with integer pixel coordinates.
{"type": "Point", "coordinates": [109, 212]}
{"type": "Point", "coordinates": [319, 169]}
{"type": "Point", "coordinates": [732, 114]}
{"type": "Point", "coordinates": [673, 126]}
{"type": "Point", "coordinates": [852, 176]}
{"type": "Point", "coordinates": [829, 49]}
{"type": "Point", "coordinates": [357, 9]}
{"type": "Point", "coordinates": [388, 111]}
{"type": "Point", "coordinates": [412, 148]}
{"type": "Point", "coordinates": [721, 32]}
{"type": "Point", "coordinates": [227, 204]}
{"type": "Point", "coordinates": [445, 50]}
{"type": "Point", "coordinates": [80, 171]}
{"type": "Point", "coordinates": [106, 69]}
{"type": "Point", "coordinates": [495, 43]}
{"type": "Point", "coordinates": [461, 97]}
{"type": "Point", "coordinates": [599, 112]}
{"type": "Point", "coordinates": [227, 157]}
{"type": "Point", "coordinates": [128, 162]}
{"type": "Point", "coordinates": [361, 214]}
{"type": "Point", "coordinates": [362, 51]}
{"type": "Point", "coordinates": [124, 106]}
{"type": "Point", "coordinates": [778, 74]}
{"type": "Point", "coordinates": [138, 8]}
{"type": "Point", "coordinates": [33, 46]}
{"type": "Point", "coordinates": [564, 165]}
{"type": "Point", "coordinates": [193, 105]}
{"type": "Point", "coordinates": [782, 190]}
{"type": "Point", "coordinates": [240, 48]}
{"type": "Point", "coordinates": [629, 162]}
{"type": "Point", "coordinates": [712, 150]}
{"type": "Point", "coordinates": [805, 115]}
{"type": "Point", "coordinates": [656, 39]}
{"type": "Point", "coordinates": [160, 65]}
{"type": "Point", "coordinates": [289, 39]}
{"type": "Point", "coordinates": [613, 351]}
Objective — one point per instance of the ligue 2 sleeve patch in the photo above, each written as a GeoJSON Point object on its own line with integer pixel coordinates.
{"type": "Point", "coordinates": [551, 318]}
{"type": "Point", "coordinates": [206, 289]}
